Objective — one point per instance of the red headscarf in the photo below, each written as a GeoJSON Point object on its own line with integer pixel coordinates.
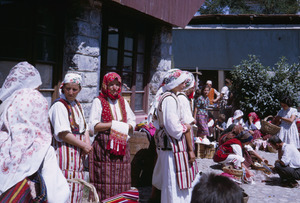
{"type": "Point", "coordinates": [255, 117]}
{"type": "Point", "coordinates": [109, 77]}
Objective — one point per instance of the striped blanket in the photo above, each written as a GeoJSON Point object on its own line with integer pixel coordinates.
{"type": "Point", "coordinates": [128, 196]}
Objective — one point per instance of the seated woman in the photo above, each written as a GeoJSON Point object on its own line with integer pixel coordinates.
{"type": "Point", "coordinates": [231, 152]}
{"type": "Point", "coordinates": [28, 166]}
{"type": "Point", "coordinates": [253, 125]}
{"type": "Point", "coordinates": [231, 132]}
{"type": "Point", "coordinates": [236, 119]}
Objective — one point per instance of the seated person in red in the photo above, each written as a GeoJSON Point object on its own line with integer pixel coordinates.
{"type": "Point", "coordinates": [231, 152]}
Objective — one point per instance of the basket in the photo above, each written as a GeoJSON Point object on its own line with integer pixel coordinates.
{"type": "Point", "coordinates": [204, 151]}
{"type": "Point", "coordinates": [269, 128]}
{"type": "Point", "coordinates": [89, 186]}
{"type": "Point", "coordinates": [261, 168]}
{"type": "Point", "coordinates": [230, 170]}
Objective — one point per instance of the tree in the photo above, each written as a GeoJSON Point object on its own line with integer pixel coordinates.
{"type": "Point", "coordinates": [258, 88]}
{"type": "Point", "coordinates": [250, 7]}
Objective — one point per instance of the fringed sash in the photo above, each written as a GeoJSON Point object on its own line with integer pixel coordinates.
{"type": "Point", "coordinates": [117, 139]}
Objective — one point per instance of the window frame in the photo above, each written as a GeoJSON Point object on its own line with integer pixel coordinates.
{"type": "Point", "coordinates": [32, 35]}
{"type": "Point", "coordinates": [123, 26]}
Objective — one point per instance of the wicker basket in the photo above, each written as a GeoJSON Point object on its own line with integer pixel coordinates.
{"type": "Point", "coordinates": [269, 128]}
{"type": "Point", "coordinates": [261, 168]}
{"type": "Point", "coordinates": [89, 186]}
{"type": "Point", "coordinates": [230, 170]}
{"type": "Point", "coordinates": [204, 151]}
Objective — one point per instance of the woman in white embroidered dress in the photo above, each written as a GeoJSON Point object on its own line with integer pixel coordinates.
{"type": "Point", "coordinates": [25, 136]}
{"type": "Point", "coordinates": [164, 174]}
{"type": "Point", "coordinates": [71, 133]}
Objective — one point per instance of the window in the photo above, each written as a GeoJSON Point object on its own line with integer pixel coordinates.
{"type": "Point", "coordinates": [31, 31]}
{"type": "Point", "coordinates": [124, 50]}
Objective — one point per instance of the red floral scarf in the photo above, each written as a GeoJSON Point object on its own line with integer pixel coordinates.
{"type": "Point", "coordinates": [109, 77]}
{"type": "Point", "coordinates": [255, 117]}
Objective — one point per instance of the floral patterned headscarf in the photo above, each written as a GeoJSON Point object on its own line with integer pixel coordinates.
{"type": "Point", "coordinates": [171, 79]}
{"type": "Point", "coordinates": [25, 134]}
{"type": "Point", "coordinates": [72, 78]}
{"type": "Point", "coordinates": [190, 81]}
{"type": "Point", "coordinates": [255, 117]}
{"type": "Point", "coordinates": [23, 75]}
{"type": "Point", "coordinates": [109, 77]}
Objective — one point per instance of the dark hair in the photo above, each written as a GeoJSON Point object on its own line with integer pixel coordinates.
{"type": "Point", "coordinates": [244, 136]}
{"type": "Point", "coordinates": [216, 188]}
{"type": "Point", "coordinates": [222, 116]}
{"type": "Point", "coordinates": [228, 81]}
{"type": "Point", "coordinates": [203, 88]}
{"type": "Point", "coordinates": [286, 100]}
{"type": "Point", "coordinates": [197, 93]}
{"type": "Point", "coordinates": [274, 140]}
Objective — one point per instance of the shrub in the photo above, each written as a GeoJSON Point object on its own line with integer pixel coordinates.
{"type": "Point", "coordinates": [258, 88]}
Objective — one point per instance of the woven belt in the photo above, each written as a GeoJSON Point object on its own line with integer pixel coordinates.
{"type": "Point", "coordinates": [164, 149]}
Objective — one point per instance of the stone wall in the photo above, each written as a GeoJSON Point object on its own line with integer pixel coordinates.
{"type": "Point", "coordinates": [82, 52]}
{"type": "Point", "coordinates": [161, 57]}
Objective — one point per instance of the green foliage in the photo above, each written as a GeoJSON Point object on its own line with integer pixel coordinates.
{"type": "Point", "coordinates": [223, 7]}
{"type": "Point", "coordinates": [250, 7]}
{"type": "Point", "coordinates": [258, 88]}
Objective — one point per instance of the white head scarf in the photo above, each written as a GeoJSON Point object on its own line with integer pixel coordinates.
{"type": "Point", "coordinates": [25, 135]}
{"type": "Point", "coordinates": [70, 78]}
{"type": "Point", "coordinates": [171, 79]}
{"type": "Point", "coordinates": [22, 75]}
{"type": "Point", "coordinates": [190, 81]}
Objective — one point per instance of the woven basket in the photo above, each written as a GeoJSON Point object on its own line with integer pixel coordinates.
{"type": "Point", "coordinates": [89, 186]}
{"type": "Point", "coordinates": [269, 128]}
{"type": "Point", "coordinates": [230, 170]}
{"type": "Point", "coordinates": [204, 151]}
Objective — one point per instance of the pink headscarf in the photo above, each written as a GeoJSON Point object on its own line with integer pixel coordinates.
{"type": "Point", "coordinates": [255, 117]}
{"type": "Point", "coordinates": [109, 77]}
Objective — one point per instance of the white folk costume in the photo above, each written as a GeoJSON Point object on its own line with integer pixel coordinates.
{"type": "Point", "coordinates": [68, 116]}
{"type": "Point", "coordinates": [171, 174]}
{"type": "Point", "coordinates": [109, 161]}
{"type": "Point", "coordinates": [289, 131]}
{"type": "Point", "coordinates": [25, 139]}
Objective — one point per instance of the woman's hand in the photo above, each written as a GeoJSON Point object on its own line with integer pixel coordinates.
{"type": "Point", "coordinates": [192, 156]}
{"type": "Point", "coordinates": [251, 119]}
{"type": "Point", "coordinates": [265, 160]}
{"type": "Point", "coordinates": [188, 127]}
{"type": "Point", "coordinates": [86, 148]}
{"type": "Point", "coordinates": [100, 127]}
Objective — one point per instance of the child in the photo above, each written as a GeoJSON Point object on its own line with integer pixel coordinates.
{"type": "Point", "coordinates": [220, 123]}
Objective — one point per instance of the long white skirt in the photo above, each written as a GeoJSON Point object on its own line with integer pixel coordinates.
{"type": "Point", "coordinates": [56, 183]}
{"type": "Point", "coordinates": [164, 179]}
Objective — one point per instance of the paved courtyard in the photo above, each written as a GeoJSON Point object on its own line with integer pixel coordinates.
{"type": "Point", "coordinates": [259, 191]}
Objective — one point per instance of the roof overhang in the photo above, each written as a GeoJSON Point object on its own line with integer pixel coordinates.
{"type": "Point", "coordinates": [174, 12]}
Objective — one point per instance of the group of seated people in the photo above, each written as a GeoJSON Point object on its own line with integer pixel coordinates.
{"type": "Point", "coordinates": [235, 147]}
